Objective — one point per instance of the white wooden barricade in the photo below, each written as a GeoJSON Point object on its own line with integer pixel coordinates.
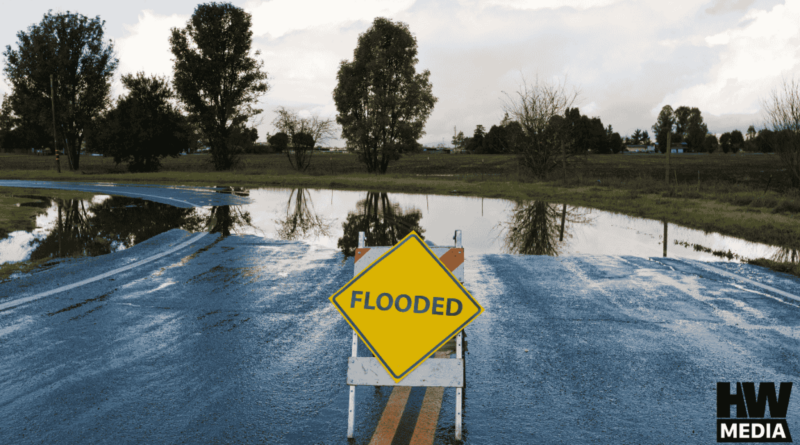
{"type": "Point", "coordinates": [442, 372]}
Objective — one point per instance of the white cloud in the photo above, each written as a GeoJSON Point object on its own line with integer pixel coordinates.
{"type": "Point", "coordinates": [279, 17]}
{"type": "Point", "coordinates": [753, 57]}
{"type": "Point", "coordinates": [551, 4]}
{"type": "Point", "coordinates": [627, 57]}
{"type": "Point", "coordinates": [146, 47]}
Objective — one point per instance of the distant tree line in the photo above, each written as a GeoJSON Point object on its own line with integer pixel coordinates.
{"type": "Point", "coordinates": [581, 133]}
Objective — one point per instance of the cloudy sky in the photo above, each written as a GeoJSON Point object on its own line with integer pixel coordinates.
{"type": "Point", "coordinates": [626, 58]}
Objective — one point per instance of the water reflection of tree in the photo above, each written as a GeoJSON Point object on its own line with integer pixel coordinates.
{"type": "Point", "coordinates": [227, 219]}
{"type": "Point", "coordinates": [384, 223]}
{"type": "Point", "coordinates": [786, 255]}
{"type": "Point", "coordinates": [539, 227]}
{"type": "Point", "coordinates": [106, 226]}
{"type": "Point", "coordinates": [301, 221]}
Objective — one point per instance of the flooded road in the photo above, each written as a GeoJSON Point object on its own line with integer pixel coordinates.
{"type": "Point", "coordinates": [231, 339]}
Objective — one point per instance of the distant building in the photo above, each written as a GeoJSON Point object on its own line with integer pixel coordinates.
{"type": "Point", "coordinates": [635, 148]}
{"type": "Point", "coordinates": [676, 148]}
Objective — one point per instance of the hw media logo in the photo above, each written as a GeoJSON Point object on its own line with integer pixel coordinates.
{"type": "Point", "coordinates": [750, 424]}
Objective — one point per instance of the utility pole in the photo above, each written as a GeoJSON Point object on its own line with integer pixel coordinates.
{"type": "Point", "coordinates": [55, 143]}
{"type": "Point", "coordinates": [669, 149]}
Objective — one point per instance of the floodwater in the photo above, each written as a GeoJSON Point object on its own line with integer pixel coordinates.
{"type": "Point", "coordinates": [330, 218]}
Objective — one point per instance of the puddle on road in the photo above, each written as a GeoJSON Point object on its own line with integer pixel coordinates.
{"type": "Point", "coordinates": [332, 219]}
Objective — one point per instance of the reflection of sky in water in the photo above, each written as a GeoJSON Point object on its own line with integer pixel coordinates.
{"type": "Point", "coordinates": [484, 223]}
{"type": "Point", "coordinates": [481, 221]}
{"type": "Point", "coordinates": [19, 245]}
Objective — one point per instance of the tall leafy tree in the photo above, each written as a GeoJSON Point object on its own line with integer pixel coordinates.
{"type": "Point", "coordinates": [515, 137]}
{"type": "Point", "coordinates": [710, 143]}
{"type": "Point", "coordinates": [695, 130]}
{"type": "Point", "coordinates": [495, 141]}
{"type": "Point", "coordinates": [636, 137]}
{"type": "Point", "coordinates": [7, 122]}
{"type": "Point", "coordinates": [596, 136]}
{"type": "Point", "coordinates": [70, 47]}
{"type": "Point", "coordinates": [682, 116]}
{"type": "Point", "coordinates": [664, 124]}
{"type": "Point", "coordinates": [764, 140]}
{"type": "Point", "coordinates": [279, 141]}
{"type": "Point", "coordinates": [725, 142]}
{"type": "Point", "coordinates": [615, 143]}
{"type": "Point", "coordinates": [751, 133]}
{"type": "Point", "coordinates": [144, 127]}
{"type": "Point", "coordinates": [737, 141]}
{"type": "Point", "coordinates": [695, 137]}
{"type": "Point", "coordinates": [215, 75]}
{"type": "Point", "coordinates": [458, 140]}
{"type": "Point", "coordinates": [476, 141]}
{"type": "Point", "coordinates": [382, 101]}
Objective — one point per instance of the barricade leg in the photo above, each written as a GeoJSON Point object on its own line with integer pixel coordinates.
{"type": "Point", "coordinates": [458, 392]}
{"type": "Point", "coordinates": [351, 414]}
{"type": "Point", "coordinates": [459, 354]}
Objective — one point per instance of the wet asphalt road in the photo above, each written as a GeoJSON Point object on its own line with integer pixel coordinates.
{"type": "Point", "coordinates": [232, 340]}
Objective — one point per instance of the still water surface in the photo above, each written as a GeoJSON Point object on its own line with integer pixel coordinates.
{"type": "Point", "coordinates": [333, 218]}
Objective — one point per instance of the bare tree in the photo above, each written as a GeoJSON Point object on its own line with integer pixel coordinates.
{"type": "Point", "coordinates": [320, 130]}
{"type": "Point", "coordinates": [782, 113]}
{"type": "Point", "coordinates": [290, 122]}
{"type": "Point", "coordinates": [534, 106]}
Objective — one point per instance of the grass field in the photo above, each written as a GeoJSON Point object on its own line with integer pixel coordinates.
{"type": "Point", "coordinates": [743, 195]}
{"type": "Point", "coordinates": [753, 170]}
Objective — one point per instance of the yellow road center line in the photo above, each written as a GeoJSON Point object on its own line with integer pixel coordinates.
{"type": "Point", "coordinates": [390, 419]}
{"type": "Point", "coordinates": [428, 418]}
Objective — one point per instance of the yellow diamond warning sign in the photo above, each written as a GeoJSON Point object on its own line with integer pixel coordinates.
{"type": "Point", "coordinates": [406, 305]}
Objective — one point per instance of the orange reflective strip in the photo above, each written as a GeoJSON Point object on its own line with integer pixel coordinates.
{"type": "Point", "coordinates": [361, 252]}
{"type": "Point", "coordinates": [453, 258]}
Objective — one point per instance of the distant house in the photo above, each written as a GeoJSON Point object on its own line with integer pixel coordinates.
{"type": "Point", "coordinates": [677, 148]}
{"type": "Point", "coordinates": [436, 150]}
{"type": "Point", "coordinates": [635, 148]}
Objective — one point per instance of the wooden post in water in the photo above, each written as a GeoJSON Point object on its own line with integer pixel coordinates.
{"type": "Point", "coordinates": [665, 238]}
{"type": "Point", "coordinates": [55, 144]}
{"type": "Point", "coordinates": [60, 233]}
{"type": "Point", "coordinates": [563, 218]}
{"type": "Point", "coordinates": [669, 149]}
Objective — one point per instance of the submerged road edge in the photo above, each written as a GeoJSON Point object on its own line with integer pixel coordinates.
{"type": "Point", "coordinates": [727, 274]}
{"type": "Point", "coordinates": [25, 300]}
